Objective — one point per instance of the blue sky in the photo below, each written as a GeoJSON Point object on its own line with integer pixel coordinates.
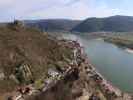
{"type": "Point", "coordinates": [68, 9]}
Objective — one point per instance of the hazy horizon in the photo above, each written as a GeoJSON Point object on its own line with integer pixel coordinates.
{"type": "Point", "coordinates": [30, 19]}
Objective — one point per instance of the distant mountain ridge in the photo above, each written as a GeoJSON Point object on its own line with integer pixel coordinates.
{"type": "Point", "coordinates": [108, 24]}
{"type": "Point", "coordinates": [53, 24]}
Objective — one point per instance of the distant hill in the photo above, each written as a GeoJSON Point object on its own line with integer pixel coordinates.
{"type": "Point", "coordinates": [53, 24]}
{"type": "Point", "coordinates": [108, 24]}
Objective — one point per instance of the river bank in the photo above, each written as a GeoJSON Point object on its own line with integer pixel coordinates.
{"type": "Point", "coordinates": [119, 41]}
{"type": "Point", "coordinates": [126, 44]}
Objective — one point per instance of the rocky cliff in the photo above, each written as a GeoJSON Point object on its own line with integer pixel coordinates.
{"type": "Point", "coordinates": [36, 66]}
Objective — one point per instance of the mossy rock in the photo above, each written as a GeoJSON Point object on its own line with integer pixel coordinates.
{"type": "Point", "coordinates": [39, 84]}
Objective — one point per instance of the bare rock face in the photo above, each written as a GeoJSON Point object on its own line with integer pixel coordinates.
{"type": "Point", "coordinates": [23, 73]}
{"type": "Point", "coordinates": [2, 75]}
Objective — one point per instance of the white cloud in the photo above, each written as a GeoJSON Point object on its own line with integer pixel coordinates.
{"type": "Point", "coordinates": [74, 9]}
{"type": "Point", "coordinates": [79, 10]}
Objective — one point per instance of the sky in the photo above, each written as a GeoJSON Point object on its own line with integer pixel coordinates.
{"type": "Point", "coordinates": [64, 9]}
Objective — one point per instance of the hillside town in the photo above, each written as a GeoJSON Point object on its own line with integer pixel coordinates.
{"type": "Point", "coordinates": [96, 86]}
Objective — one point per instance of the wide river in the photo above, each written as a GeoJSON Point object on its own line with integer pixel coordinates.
{"type": "Point", "coordinates": [114, 63]}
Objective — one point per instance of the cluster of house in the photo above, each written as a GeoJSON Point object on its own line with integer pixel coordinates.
{"type": "Point", "coordinates": [106, 87]}
{"type": "Point", "coordinates": [109, 90]}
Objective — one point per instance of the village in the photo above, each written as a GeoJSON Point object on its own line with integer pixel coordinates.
{"type": "Point", "coordinates": [79, 62]}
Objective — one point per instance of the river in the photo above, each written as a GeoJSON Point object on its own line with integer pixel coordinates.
{"type": "Point", "coordinates": [113, 62]}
